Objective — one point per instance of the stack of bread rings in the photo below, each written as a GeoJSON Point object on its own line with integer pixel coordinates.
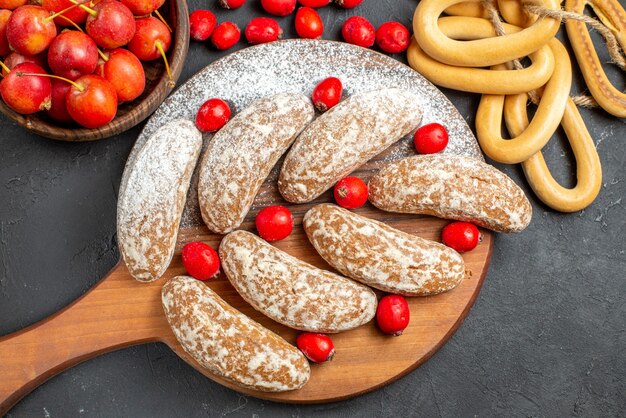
{"type": "Point", "coordinates": [463, 51]}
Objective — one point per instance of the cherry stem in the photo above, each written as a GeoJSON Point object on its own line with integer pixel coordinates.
{"type": "Point", "coordinates": [78, 87]}
{"type": "Point", "coordinates": [4, 67]}
{"type": "Point", "coordinates": [67, 9]}
{"type": "Point", "coordinates": [72, 23]}
{"type": "Point", "coordinates": [104, 57]}
{"type": "Point", "coordinates": [156, 12]}
{"type": "Point", "coordinates": [85, 8]}
{"type": "Point", "coordinates": [171, 84]}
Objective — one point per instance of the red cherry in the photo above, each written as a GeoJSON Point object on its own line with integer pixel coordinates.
{"type": "Point", "coordinates": [316, 347]}
{"type": "Point", "coordinates": [72, 54]}
{"type": "Point", "coordinates": [212, 115]}
{"type": "Point", "coordinates": [12, 4]}
{"type": "Point", "coordinates": [279, 7]}
{"type": "Point", "coordinates": [231, 4]}
{"type": "Point", "coordinates": [151, 34]}
{"type": "Point", "coordinates": [348, 4]}
{"type": "Point", "coordinates": [309, 24]}
{"type": "Point", "coordinates": [393, 37]}
{"type": "Point", "coordinates": [201, 25]}
{"type": "Point", "coordinates": [30, 30]}
{"type": "Point", "coordinates": [200, 260]}
{"type": "Point", "coordinates": [15, 58]}
{"type": "Point", "coordinates": [143, 7]}
{"type": "Point", "coordinates": [393, 314]}
{"type": "Point", "coordinates": [112, 25]}
{"type": "Point", "coordinates": [4, 42]}
{"type": "Point", "coordinates": [76, 14]}
{"type": "Point", "coordinates": [461, 236]}
{"type": "Point", "coordinates": [26, 94]}
{"type": "Point", "coordinates": [92, 103]}
{"type": "Point", "coordinates": [263, 29]}
{"type": "Point", "coordinates": [350, 192]}
{"type": "Point", "coordinates": [327, 93]}
{"type": "Point", "coordinates": [430, 139]}
{"type": "Point", "coordinates": [274, 223]}
{"type": "Point", "coordinates": [314, 3]}
{"type": "Point", "coordinates": [225, 35]}
{"type": "Point", "coordinates": [359, 31]}
{"type": "Point", "coordinates": [58, 108]}
{"type": "Point", "coordinates": [125, 72]}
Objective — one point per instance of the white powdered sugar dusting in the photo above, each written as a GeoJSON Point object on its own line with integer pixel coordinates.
{"type": "Point", "coordinates": [296, 66]}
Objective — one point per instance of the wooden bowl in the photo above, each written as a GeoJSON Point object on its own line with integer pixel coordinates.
{"type": "Point", "coordinates": [158, 86]}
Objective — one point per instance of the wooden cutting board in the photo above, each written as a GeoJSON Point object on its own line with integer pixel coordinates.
{"type": "Point", "coordinates": [119, 311]}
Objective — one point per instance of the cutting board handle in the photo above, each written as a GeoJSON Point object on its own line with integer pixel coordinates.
{"type": "Point", "coordinates": [118, 312]}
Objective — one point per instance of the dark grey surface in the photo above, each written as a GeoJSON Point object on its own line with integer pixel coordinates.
{"type": "Point", "coordinates": [546, 337]}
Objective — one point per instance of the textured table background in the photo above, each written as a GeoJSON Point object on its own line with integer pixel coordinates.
{"type": "Point", "coordinates": [546, 337]}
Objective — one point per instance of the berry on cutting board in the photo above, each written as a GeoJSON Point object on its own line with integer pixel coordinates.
{"type": "Point", "coordinates": [431, 138]}
{"type": "Point", "coordinates": [393, 314]}
{"type": "Point", "coordinates": [327, 93]}
{"type": "Point", "coordinates": [261, 30]}
{"type": "Point", "coordinates": [357, 30]}
{"type": "Point", "coordinates": [225, 35]}
{"type": "Point", "coordinates": [274, 223]}
{"type": "Point", "coordinates": [350, 192]}
{"type": "Point", "coordinates": [200, 260]}
{"type": "Point", "coordinates": [309, 24]}
{"type": "Point", "coordinates": [212, 115]}
{"type": "Point", "coordinates": [201, 24]}
{"type": "Point", "coordinates": [279, 7]}
{"type": "Point", "coordinates": [461, 236]}
{"type": "Point", "coordinates": [318, 348]}
{"type": "Point", "coordinates": [392, 37]}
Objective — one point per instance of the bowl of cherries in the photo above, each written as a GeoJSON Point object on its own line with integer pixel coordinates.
{"type": "Point", "coordinates": [82, 70]}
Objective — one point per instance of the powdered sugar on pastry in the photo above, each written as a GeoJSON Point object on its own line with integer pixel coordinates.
{"type": "Point", "coordinates": [380, 256]}
{"type": "Point", "coordinates": [291, 291]}
{"type": "Point", "coordinates": [152, 198]}
{"type": "Point", "coordinates": [344, 138]}
{"type": "Point", "coordinates": [228, 343]}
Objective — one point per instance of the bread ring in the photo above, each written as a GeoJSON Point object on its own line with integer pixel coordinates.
{"type": "Point", "coordinates": [513, 12]}
{"type": "Point", "coordinates": [467, 9]}
{"type": "Point", "coordinates": [478, 80]}
{"type": "Point", "coordinates": [480, 52]}
{"type": "Point", "coordinates": [588, 168]}
{"type": "Point", "coordinates": [543, 125]}
{"type": "Point", "coordinates": [614, 17]}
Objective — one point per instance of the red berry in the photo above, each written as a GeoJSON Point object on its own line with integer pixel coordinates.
{"type": "Point", "coordinates": [316, 347]}
{"type": "Point", "coordinates": [327, 93]}
{"type": "Point", "coordinates": [348, 4]}
{"type": "Point", "coordinates": [58, 108]}
{"type": "Point", "coordinates": [201, 24]}
{"type": "Point", "coordinates": [393, 314]}
{"type": "Point", "coordinates": [309, 24]}
{"type": "Point", "coordinates": [274, 223]}
{"type": "Point", "coordinates": [200, 260]}
{"type": "Point", "coordinates": [279, 7]}
{"type": "Point", "coordinates": [314, 3]}
{"type": "Point", "coordinates": [231, 4]}
{"type": "Point", "coordinates": [430, 139]}
{"type": "Point", "coordinates": [461, 236]}
{"type": "Point", "coordinates": [393, 37]}
{"type": "Point", "coordinates": [225, 35]}
{"type": "Point", "coordinates": [26, 94]}
{"type": "Point", "coordinates": [359, 31]}
{"type": "Point", "coordinates": [351, 192]}
{"type": "Point", "coordinates": [212, 115]}
{"type": "Point", "coordinates": [263, 29]}
{"type": "Point", "coordinates": [4, 42]}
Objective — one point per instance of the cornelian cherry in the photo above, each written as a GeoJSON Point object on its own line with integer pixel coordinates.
{"type": "Point", "coordinates": [461, 236]}
{"type": "Point", "coordinates": [274, 223]}
{"type": "Point", "coordinates": [316, 347]}
{"type": "Point", "coordinates": [327, 93]}
{"type": "Point", "coordinates": [348, 4]}
{"type": "Point", "coordinates": [393, 314]}
{"type": "Point", "coordinates": [261, 30]}
{"type": "Point", "coordinates": [279, 7]}
{"type": "Point", "coordinates": [201, 24]}
{"type": "Point", "coordinates": [351, 192]}
{"type": "Point", "coordinates": [430, 139]}
{"type": "Point", "coordinates": [359, 31]}
{"type": "Point", "coordinates": [393, 37]}
{"type": "Point", "coordinates": [314, 3]}
{"type": "Point", "coordinates": [200, 260]}
{"type": "Point", "coordinates": [212, 115]}
{"type": "Point", "coordinates": [309, 24]}
{"type": "Point", "coordinates": [231, 4]}
{"type": "Point", "coordinates": [225, 35]}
